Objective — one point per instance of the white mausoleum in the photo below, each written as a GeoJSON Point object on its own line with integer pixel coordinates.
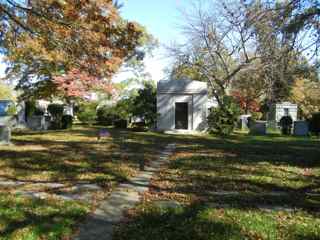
{"type": "Point", "coordinates": [182, 105]}
{"type": "Point", "coordinates": [284, 109]}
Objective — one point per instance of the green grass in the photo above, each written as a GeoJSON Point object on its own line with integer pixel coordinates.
{"type": "Point", "coordinates": [203, 222]}
{"type": "Point", "coordinates": [69, 157]}
{"type": "Point", "coordinates": [273, 186]}
{"type": "Point", "coordinates": [251, 166]}
{"type": "Point", "coordinates": [29, 219]}
{"type": "Point", "coordinates": [75, 156]}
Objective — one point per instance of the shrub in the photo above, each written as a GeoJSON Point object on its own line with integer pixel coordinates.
{"type": "Point", "coordinates": [116, 115]}
{"type": "Point", "coordinates": [286, 125]}
{"type": "Point", "coordinates": [56, 112]}
{"type": "Point", "coordinates": [11, 110]}
{"type": "Point", "coordinates": [67, 122]}
{"type": "Point", "coordinates": [87, 112]}
{"type": "Point", "coordinates": [32, 110]}
{"type": "Point", "coordinates": [223, 119]}
{"type": "Point", "coordinates": [144, 105]}
{"type": "Point", "coordinates": [121, 123]}
{"type": "Point", "coordinates": [256, 116]}
{"type": "Point", "coordinates": [314, 123]}
{"type": "Point", "coordinates": [139, 126]}
{"type": "Point", "coordinates": [107, 115]}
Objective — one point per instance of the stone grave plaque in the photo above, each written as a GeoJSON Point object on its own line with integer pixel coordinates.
{"type": "Point", "coordinates": [5, 135]}
{"type": "Point", "coordinates": [258, 128]}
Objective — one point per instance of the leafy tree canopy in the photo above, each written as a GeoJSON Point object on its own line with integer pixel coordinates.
{"type": "Point", "coordinates": [305, 93]}
{"type": "Point", "coordinates": [6, 93]}
{"type": "Point", "coordinates": [50, 44]}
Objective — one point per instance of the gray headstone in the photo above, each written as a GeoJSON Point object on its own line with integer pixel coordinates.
{"type": "Point", "coordinates": [301, 128]}
{"type": "Point", "coordinates": [5, 135]}
{"type": "Point", "coordinates": [21, 113]}
{"type": "Point", "coordinates": [38, 123]}
{"type": "Point", "coordinates": [258, 128]}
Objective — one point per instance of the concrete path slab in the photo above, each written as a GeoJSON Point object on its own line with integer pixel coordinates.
{"type": "Point", "coordinates": [99, 225]}
{"type": "Point", "coordinates": [82, 192]}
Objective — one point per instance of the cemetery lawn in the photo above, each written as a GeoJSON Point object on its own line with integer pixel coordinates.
{"type": "Point", "coordinates": [240, 187]}
{"type": "Point", "coordinates": [32, 219]}
{"type": "Point", "coordinates": [54, 164]}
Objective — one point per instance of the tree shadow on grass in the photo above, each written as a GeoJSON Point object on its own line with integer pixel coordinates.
{"type": "Point", "coordinates": [259, 171]}
{"type": "Point", "coordinates": [65, 157]}
{"type": "Point", "coordinates": [243, 186]}
{"type": "Point", "coordinates": [294, 153]}
{"type": "Point", "coordinates": [26, 218]}
{"type": "Point", "coordinates": [204, 222]}
{"type": "Point", "coordinates": [179, 224]}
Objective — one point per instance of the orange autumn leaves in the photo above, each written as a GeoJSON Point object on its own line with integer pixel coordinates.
{"type": "Point", "coordinates": [74, 37]}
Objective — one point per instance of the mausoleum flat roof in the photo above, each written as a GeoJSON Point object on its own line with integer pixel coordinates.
{"type": "Point", "coordinates": [182, 86]}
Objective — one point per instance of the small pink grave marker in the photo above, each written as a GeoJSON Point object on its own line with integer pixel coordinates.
{"type": "Point", "coordinates": [103, 133]}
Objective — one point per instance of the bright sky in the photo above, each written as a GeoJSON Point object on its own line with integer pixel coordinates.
{"type": "Point", "coordinates": [162, 20]}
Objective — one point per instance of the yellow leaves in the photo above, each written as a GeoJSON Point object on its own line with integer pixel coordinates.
{"type": "Point", "coordinates": [62, 2]}
{"type": "Point", "coordinates": [6, 92]}
{"type": "Point", "coordinates": [306, 94]}
{"type": "Point", "coordinates": [31, 49]}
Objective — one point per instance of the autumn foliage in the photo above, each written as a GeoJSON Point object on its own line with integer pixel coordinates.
{"type": "Point", "coordinates": [77, 84]}
{"type": "Point", "coordinates": [64, 38]}
{"type": "Point", "coordinates": [305, 93]}
{"type": "Point", "coordinates": [246, 103]}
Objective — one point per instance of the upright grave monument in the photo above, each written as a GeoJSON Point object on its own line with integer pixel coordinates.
{"type": "Point", "coordinates": [6, 122]}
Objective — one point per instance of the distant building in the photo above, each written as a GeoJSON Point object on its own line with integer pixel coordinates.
{"type": "Point", "coordinates": [182, 105]}
{"type": "Point", "coordinates": [284, 109]}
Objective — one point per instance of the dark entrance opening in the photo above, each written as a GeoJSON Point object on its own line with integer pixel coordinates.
{"type": "Point", "coordinates": [181, 115]}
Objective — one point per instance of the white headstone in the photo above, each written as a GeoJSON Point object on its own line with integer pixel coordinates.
{"type": "Point", "coordinates": [244, 121]}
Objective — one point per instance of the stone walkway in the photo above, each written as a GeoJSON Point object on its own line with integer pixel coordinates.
{"type": "Point", "coordinates": [99, 225]}
{"type": "Point", "coordinates": [83, 192]}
